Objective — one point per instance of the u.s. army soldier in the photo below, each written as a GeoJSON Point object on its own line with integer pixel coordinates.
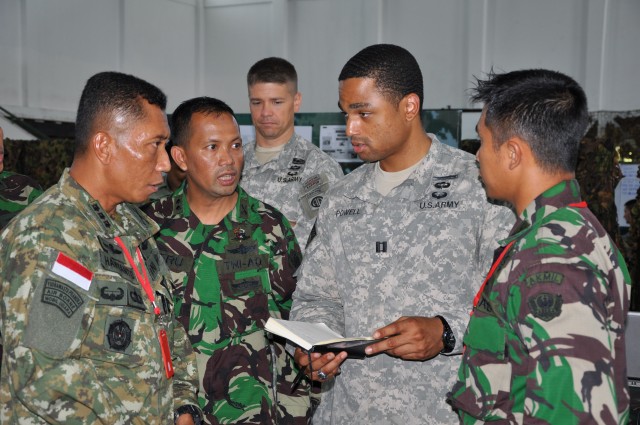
{"type": "Point", "coordinates": [87, 320]}
{"type": "Point", "coordinates": [546, 341]}
{"type": "Point", "coordinates": [401, 243]}
{"type": "Point", "coordinates": [282, 168]}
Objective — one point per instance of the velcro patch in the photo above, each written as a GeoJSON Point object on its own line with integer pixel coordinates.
{"type": "Point", "coordinates": [312, 194]}
{"type": "Point", "coordinates": [545, 306]}
{"type": "Point", "coordinates": [62, 296]}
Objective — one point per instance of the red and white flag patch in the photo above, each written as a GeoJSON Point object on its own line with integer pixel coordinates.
{"type": "Point", "coordinates": [73, 271]}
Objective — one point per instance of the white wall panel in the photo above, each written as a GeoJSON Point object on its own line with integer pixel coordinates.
{"type": "Point", "coordinates": [159, 45]}
{"type": "Point", "coordinates": [205, 47]}
{"type": "Point", "coordinates": [67, 41]}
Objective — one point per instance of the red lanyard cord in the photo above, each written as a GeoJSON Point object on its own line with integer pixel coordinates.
{"type": "Point", "coordinates": [144, 280]}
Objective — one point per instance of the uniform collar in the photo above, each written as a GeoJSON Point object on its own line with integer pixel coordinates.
{"type": "Point", "coordinates": [239, 213]}
{"type": "Point", "coordinates": [551, 200]}
{"type": "Point", "coordinates": [413, 188]}
{"type": "Point", "coordinates": [279, 162]}
{"type": "Point", "coordinates": [130, 222]}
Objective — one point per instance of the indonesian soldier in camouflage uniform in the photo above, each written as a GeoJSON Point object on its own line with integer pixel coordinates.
{"type": "Point", "coordinates": [545, 343]}
{"type": "Point", "coordinates": [87, 321]}
{"type": "Point", "coordinates": [400, 243]}
{"type": "Point", "coordinates": [16, 190]}
{"type": "Point", "coordinates": [232, 260]}
{"type": "Point", "coordinates": [281, 168]}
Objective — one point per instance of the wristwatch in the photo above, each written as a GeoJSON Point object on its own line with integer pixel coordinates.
{"type": "Point", "coordinates": [448, 339]}
{"type": "Point", "coordinates": [190, 409]}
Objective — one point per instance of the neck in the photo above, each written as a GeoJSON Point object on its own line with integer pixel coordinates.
{"type": "Point", "coordinates": [416, 148]}
{"type": "Point", "coordinates": [534, 185]}
{"type": "Point", "coordinates": [211, 210]}
{"type": "Point", "coordinates": [93, 183]}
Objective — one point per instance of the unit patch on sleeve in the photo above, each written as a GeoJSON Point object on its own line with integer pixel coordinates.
{"type": "Point", "coordinates": [545, 306]}
{"type": "Point", "coordinates": [62, 296]}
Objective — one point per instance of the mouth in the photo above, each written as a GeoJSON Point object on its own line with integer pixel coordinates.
{"type": "Point", "coordinates": [227, 179]}
{"type": "Point", "coordinates": [357, 146]}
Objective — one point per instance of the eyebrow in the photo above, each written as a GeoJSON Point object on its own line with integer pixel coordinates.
{"type": "Point", "coordinates": [358, 105]}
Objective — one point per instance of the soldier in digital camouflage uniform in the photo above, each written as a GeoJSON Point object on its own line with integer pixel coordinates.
{"type": "Point", "coordinates": [281, 168]}
{"type": "Point", "coordinates": [545, 343]}
{"type": "Point", "coordinates": [83, 341]}
{"type": "Point", "coordinates": [16, 190]}
{"type": "Point", "coordinates": [232, 260]}
{"type": "Point", "coordinates": [399, 241]}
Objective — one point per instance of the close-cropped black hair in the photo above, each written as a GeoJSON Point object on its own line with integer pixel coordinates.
{"type": "Point", "coordinates": [181, 117]}
{"type": "Point", "coordinates": [395, 71]}
{"type": "Point", "coordinates": [273, 70]}
{"type": "Point", "coordinates": [545, 108]}
{"type": "Point", "coordinates": [108, 94]}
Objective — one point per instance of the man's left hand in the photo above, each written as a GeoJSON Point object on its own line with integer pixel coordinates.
{"type": "Point", "coordinates": [410, 338]}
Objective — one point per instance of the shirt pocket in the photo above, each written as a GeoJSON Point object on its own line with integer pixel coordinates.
{"type": "Point", "coordinates": [123, 330]}
{"type": "Point", "coordinates": [484, 379]}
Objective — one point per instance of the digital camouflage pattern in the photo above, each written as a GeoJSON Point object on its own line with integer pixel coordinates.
{"type": "Point", "coordinates": [85, 356]}
{"type": "Point", "coordinates": [228, 279]}
{"type": "Point", "coordinates": [545, 343]}
{"type": "Point", "coordinates": [294, 182]}
{"type": "Point", "coordinates": [16, 192]}
{"type": "Point", "coordinates": [419, 251]}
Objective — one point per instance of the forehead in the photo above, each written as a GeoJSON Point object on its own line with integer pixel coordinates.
{"type": "Point", "coordinates": [215, 126]}
{"type": "Point", "coordinates": [271, 90]}
{"type": "Point", "coordinates": [357, 92]}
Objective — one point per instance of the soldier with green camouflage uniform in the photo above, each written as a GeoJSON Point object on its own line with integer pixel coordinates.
{"type": "Point", "coordinates": [281, 168]}
{"type": "Point", "coordinates": [16, 190]}
{"type": "Point", "coordinates": [232, 260]}
{"type": "Point", "coordinates": [399, 243]}
{"type": "Point", "coordinates": [86, 312]}
{"type": "Point", "coordinates": [545, 343]}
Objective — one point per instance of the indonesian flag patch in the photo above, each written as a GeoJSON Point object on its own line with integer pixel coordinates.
{"type": "Point", "coordinates": [73, 271]}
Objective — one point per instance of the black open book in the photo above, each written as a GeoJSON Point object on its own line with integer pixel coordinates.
{"type": "Point", "coordinates": [318, 337]}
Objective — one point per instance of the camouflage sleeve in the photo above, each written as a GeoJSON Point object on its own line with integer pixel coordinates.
{"type": "Point", "coordinates": [286, 258]}
{"type": "Point", "coordinates": [317, 297]}
{"type": "Point", "coordinates": [59, 387]}
{"type": "Point", "coordinates": [563, 315]}
{"type": "Point", "coordinates": [498, 221]}
{"type": "Point", "coordinates": [185, 379]}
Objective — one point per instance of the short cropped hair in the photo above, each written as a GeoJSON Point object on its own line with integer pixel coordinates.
{"type": "Point", "coordinates": [545, 108]}
{"type": "Point", "coordinates": [395, 71]}
{"type": "Point", "coordinates": [181, 117]}
{"type": "Point", "coordinates": [273, 70]}
{"type": "Point", "coordinates": [108, 94]}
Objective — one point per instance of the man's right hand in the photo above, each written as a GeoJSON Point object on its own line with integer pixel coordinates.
{"type": "Point", "coordinates": [327, 364]}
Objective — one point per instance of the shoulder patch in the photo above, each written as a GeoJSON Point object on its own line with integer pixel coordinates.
{"type": "Point", "coordinates": [62, 296]}
{"type": "Point", "coordinates": [545, 306]}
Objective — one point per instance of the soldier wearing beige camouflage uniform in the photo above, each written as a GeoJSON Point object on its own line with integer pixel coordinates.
{"type": "Point", "coordinates": [86, 311]}
{"type": "Point", "coordinates": [546, 341]}
{"type": "Point", "coordinates": [232, 259]}
{"type": "Point", "coordinates": [400, 244]}
{"type": "Point", "coordinates": [281, 168]}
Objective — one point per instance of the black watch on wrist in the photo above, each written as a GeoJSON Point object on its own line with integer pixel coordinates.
{"type": "Point", "coordinates": [190, 409]}
{"type": "Point", "coordinates": [448, 338]}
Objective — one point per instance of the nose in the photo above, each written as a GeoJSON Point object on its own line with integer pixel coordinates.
{"type": "Point", "coordinates": [163, 164]}
{"type": "Point", "coordinates": [352, 126]}
{"type": "Point", "coordinates": [265, 110]}
{"type": "Point", "coordinates": [225, 157]}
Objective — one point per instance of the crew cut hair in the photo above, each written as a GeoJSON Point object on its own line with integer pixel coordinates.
{"type": "Point", "coordinates": [545, 108]}
{"type": "Point", "coordinates": [273, 70]}
{"type": "Point", "coordinates": [181, 117]}
{"type": "Point", "coordinates": [109, 94]}
{"type": "Point", "coordinates": [395, 71]}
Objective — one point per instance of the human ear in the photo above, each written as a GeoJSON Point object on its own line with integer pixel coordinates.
{"type": "Point", "coordinates": [411, 104]}
{"type": "Point", "coordinates": [297, 101]}
{"type": "Point", "coordinates": [178, 155]}
{"type": "Point", "coordinates": [102, 145]}
{"type": "Point", "coordinates": [515, 152]}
